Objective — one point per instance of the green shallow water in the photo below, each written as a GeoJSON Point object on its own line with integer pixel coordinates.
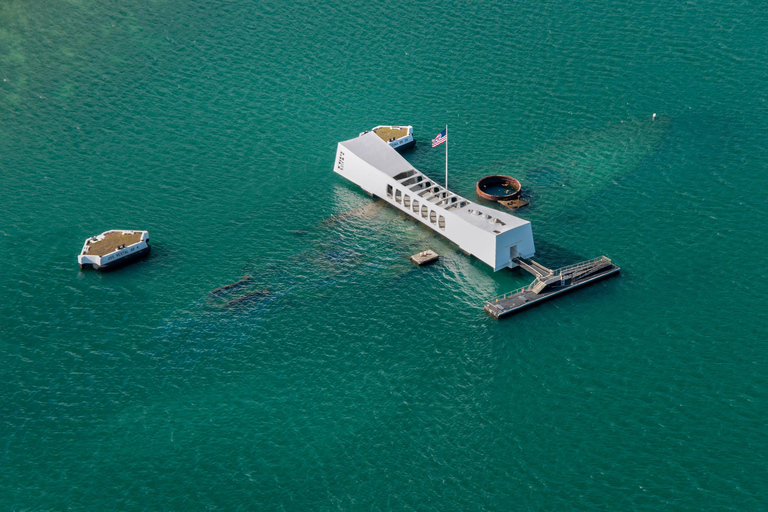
{"type": "Point", "coordinates": [360, 382]}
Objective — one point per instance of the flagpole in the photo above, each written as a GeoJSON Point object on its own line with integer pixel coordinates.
{"type": "Point", "coordinates": [446, 157]}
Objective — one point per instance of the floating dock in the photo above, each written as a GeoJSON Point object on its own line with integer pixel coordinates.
{"type": "Point", "coordinates": [514, 204]}
{"type": "Point", "coordinates": [425, 257]}
{"type": "Point", "coordinates": [398, 137]}
{"type": "Point", "coordinates": [549, 283]}
{"type": "Point", "coordinates": [113, 248]}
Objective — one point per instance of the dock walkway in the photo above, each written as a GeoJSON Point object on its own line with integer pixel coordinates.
{"type": "Point", "coordinates": [537, 269]}
{"type": "Point", "coordinates": [549, 283]}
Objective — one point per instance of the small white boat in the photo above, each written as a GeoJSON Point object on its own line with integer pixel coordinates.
{"type": "Point", "coordinates": [113, 248]}
{"type": "Point", "coordinates": [399, 137]}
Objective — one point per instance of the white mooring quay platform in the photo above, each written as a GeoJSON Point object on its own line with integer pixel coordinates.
{"type": "Point", "coordinates": [494, 237]}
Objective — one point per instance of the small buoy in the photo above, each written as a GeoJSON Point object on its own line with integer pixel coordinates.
{"type": "Point", "coordinates": [654, 117]}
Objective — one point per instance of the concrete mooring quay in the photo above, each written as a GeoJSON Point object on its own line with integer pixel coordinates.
{"type": "Point", "coordinates": [549, 283]}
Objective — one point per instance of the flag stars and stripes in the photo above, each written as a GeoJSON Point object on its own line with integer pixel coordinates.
{"type": "Point", "coordinates": [441, 137]}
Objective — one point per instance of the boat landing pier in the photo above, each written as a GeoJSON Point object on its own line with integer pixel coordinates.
{"type": "Point", "coordinates": [425, 257]}
{"type": "Point", "coordinates": [549, 283]}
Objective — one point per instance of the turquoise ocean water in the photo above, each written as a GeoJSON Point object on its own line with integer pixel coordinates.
{"type": "Point", "coordinates": [361, 382]}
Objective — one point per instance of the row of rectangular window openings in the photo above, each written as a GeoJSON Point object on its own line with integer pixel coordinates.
{"type": "Point", "coordinates": [409, 177]}
{"type": "Point", "coordinates": [420, 183]}
{"type": "Point", "coordinates": [454, 203]}
{"type": "Point", "coordinates": [425, 212]}
{"type": "Point", "coordinates": [489, 218]}
{"type": "Point", "coordinates": [437, 195]}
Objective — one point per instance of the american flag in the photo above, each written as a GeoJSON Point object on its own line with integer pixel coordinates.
{"type": "Point", "coordinates": [441, 137]}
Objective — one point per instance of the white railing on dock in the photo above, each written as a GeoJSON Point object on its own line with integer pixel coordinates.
{"type": "Point", "coordinates": [560, 274]}
{"type": "Point", "coordinates": [508, 294]}
{"type": "Point", "coordinates": [583, 264]}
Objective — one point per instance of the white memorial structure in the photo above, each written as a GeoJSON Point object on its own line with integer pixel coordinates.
{"type": "Point", "coordinates": [493, 237]}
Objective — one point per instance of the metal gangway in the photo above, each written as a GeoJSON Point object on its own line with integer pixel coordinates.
{"type": "Point", "coordinates": [549, 283]}
{"type": "Point", "coordinates": [568, 274]}
{"type": "Point", "coordinates": [537, 269]}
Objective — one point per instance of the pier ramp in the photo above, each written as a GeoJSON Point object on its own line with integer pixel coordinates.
{"type": "Point", "coordinates": [549, 283]}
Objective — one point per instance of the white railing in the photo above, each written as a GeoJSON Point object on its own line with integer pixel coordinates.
{"type": "Point", "coordinates": [126, 246]}
{"type": "Point", "coordinates": [584, 264]}
{"type": "Point", "coordinates": [508, 294]}
{"type": "Point", "coordinates": [557, 274]}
